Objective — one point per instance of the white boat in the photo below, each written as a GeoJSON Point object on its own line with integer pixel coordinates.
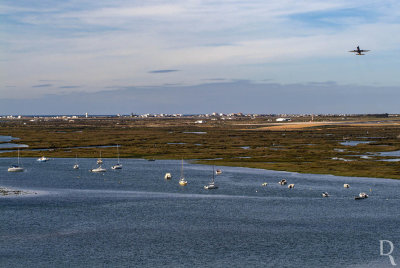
{"type": "Point", "coordinates": [167, 176]}
{"type": "Point", "coordinates": [325, 194]}
{"type": "Point", "coordinates": [182, 181]}
{"type": "Point", "coordinates": [76, 166]}
{"type": "Point", "coordinates": [346, 185]}
{"type": "Point", "coordinates": [99, 169]}
{"type": "Point", "coordinates": [218, 172]}
{"type": "Point", "coordinates": [361, 196]}
{"type": "Point", "coordinates": [16, 168]}
{"type": "Point", "coordinates": [43, 159]}
{"type": "Point", "coordinates": [264, 184]}
{"type": "Point", "coordinates": [212, 184]}
{"type": "Point", "coordinates": [118, 165]}
{"type": "Point", "coordinates": [99, 161]}
{"type": "Point", "coordinates": [283, 182]}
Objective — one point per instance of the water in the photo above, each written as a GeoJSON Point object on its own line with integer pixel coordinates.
{"type": "Point", "coordinates": [354, 143]}
{"type": "Point", "coordinates": [195, 132]}
{"type": "Point", "coordinates": [12, 145]}
{"type": "Point", "coordinates": [391, 153]}
{"type": "Point", "coordinates": [134, 218]}
{"type": "Point", "coordinates": [7, 138]}
{"type": "Point", "coordinates": [4, 142]}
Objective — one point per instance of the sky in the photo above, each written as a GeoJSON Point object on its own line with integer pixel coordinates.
{"type": "Point", "coordinates": [192, 56]}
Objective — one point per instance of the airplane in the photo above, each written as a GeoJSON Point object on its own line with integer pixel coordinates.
{"type": "Point", "coordinates": [359, 51]}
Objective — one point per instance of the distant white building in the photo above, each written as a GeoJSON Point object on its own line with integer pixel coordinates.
{"type": "Point", "coordinates": [282, 119]}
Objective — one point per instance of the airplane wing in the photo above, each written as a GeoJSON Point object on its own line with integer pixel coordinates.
{"type": "Point", "coordinates": [353, 51]}
{"type": "Point", "coordinates": [364, 50]}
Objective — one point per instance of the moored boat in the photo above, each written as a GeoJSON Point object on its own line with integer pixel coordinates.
{"type": "Point", "coordinates": [361, 196]}
{"type": "Point", "coordinates": [283, 182]}
{"type": "Point", "coordinates": [16, 168]}
{"type": "Point", "coordinates": [118, 165]}
{"type": "Point", "coordinates": [43, 159]}
{"type": "Point", "coordinates": [98, 169]}
{"type": "Point", "coordinates": [76, 166]}
{"type": "Point", "coordinates": [182, 181]}
{"type": "Point", "coordinates": [212, 184]}
{"type": "Point", "coordinates": [99, 161]}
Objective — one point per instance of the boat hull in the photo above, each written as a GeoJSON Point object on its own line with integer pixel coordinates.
{"type": "Point", "coordinates": [210, 187]}
{"type": "Point", "coordinates": [15, 169]}
{"type": "Point", "coordinates": [117, 166]}
{"type": "Point", "coordinates": [98, 170]}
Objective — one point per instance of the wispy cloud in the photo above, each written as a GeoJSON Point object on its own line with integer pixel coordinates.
{"type": "Point", "coordinates": [43, 85]}
{"type": "Point", "coordinates": [124, 11]}
{"type": "Point", "coordinates": [163, 71]}
{"type": "Point", "coordinates": [70, 87]}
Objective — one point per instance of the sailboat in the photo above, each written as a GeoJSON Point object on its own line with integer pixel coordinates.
{"type": "Point", "coordinates": [182, 181]}
{"type": "Point", "coordinates": [16, 168]}
{"type": "Point", "coordinates": [76, 166]}
{"type": "Point", "coordinates": [118, 165]}
{"type": "Point", "coordinates": [99, 161]}
{"type": "Point", "coordinates": [212, 184]}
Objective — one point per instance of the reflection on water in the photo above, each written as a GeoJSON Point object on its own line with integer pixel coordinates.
{"type": "Point", "coordinates": [133, 217]}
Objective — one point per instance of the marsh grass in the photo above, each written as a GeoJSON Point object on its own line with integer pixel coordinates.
{"type": "Point", "coordinates": [309, 150]}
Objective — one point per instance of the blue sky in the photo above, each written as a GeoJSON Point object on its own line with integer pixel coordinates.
{"type": "Point", "coordinates": [179, 56]}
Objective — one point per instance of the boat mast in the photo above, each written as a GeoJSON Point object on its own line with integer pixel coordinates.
{"type": "Point", "coordinates": [182, 170]}
{"type": "Point", "coordinates": [118, 152]}
{"type": "Point", "coordinates": [213, 173]}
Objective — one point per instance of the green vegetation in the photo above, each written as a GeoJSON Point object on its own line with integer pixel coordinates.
{"type": "Point", "coordinates": [241, 142]}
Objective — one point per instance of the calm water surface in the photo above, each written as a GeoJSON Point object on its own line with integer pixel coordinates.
{"type": "Point", "coordinates": [134, 218]}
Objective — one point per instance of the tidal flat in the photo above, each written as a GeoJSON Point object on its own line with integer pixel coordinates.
{"type": "Point", "coordinates": [304, 146]}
